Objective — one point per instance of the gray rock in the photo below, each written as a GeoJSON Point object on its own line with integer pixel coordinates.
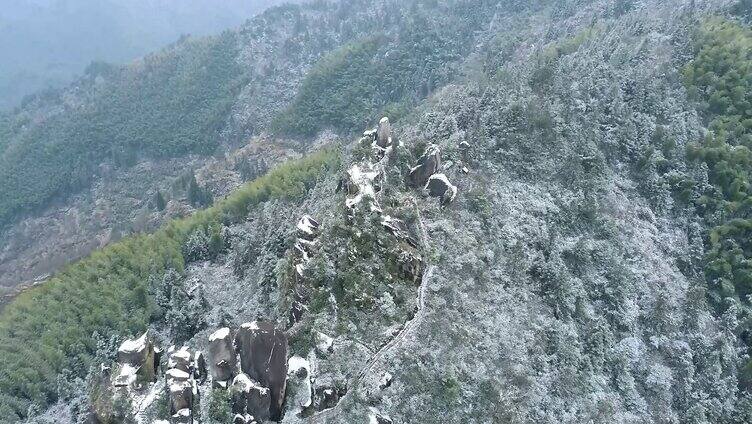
{"type": "Point", "coordinates": [137, 352]}
{"type": "Point", "coordinates": [180, 359]}
{"type": "Point", "coordinates": [300, 390]}
{"type": "Point", "coordinates": [222, 360]}
{"type": "Point", "coordinates": [439, 186]}
{"type": "Point", "coordinates": [136, 359]}
{"type": "Point", "coordinates": [307, 228]}
{"type": "Point", "coordinates": [181, 396]}
{"type": "Point", "coordinates": [183, 416]}
{"type": "Point", "coordinates": [427, 165]}
{"type": "Point", "coordinates": [199, 366]}
{"type": "Point", "coordinates": [397, 228]}
{"type": "Point", "coordinates": [384, 133]}
{"type": "Point", "coordinates": [263, 356]}
{"type": "Point", "coordinates": [249, 397]}
{"type": "Point", "coordinates": [176, 376]}
{"type": "Point", "coordinates": [259, 401]}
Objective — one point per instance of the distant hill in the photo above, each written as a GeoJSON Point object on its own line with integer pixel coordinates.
{"type": "Point", "coordinates": [46, 43]}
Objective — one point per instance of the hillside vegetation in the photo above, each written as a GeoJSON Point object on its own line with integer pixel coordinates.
{"type": "Point", "coordinates": [170, 104]}
{"type": "Point", "coordinates": [48, 329]}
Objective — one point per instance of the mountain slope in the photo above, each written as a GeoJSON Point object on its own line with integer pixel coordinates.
{"type": "Point", "coordinates": [569, 278]}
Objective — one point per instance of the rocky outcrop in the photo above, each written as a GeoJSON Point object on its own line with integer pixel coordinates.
{"type": "Point", "coordinates": [199, 367]}
{"type": "Point", "coordinates": [307, 228]}
{"type": "Point", "coordinates": [136, 360]}
{"type": "Point", "coordinates": [180, 359]}
{"type": "Point", "coordinates": [439, 186]}
{"type": "Point", "coordinates": [182, 387]}
{"type": "Point", "coordinates": [263, 357]}
{"type": "Point", "coordinates": [359, 184]}
{"type": "Point", "coordinates": [222, 360]}
{"type": "Point", "coordinates": [384, 133]}
{"type": "Point", "coordinates": [304, 249]}
{"type": "Point", "coordinates": [427, 165]}
{"type": "Point", "coordinates": [250, 398]}
{"type": "Point", "coordinates": [300, 388]}
{"type": "Point", "coordinates": [398, 229]}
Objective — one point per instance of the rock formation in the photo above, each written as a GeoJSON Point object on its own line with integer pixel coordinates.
{"type": "Point", "coordinates": [427, 165]}
{"type": "Point", "coordinates": [299, 385]}
{"type": "Point", "coordinates": [384, 133]}
{"type": "Point", "coordinates": [180, 359]}
{"type": "Point", "coordinates": [222, 360]}
{"type": "Point", "coordinates": [249, 397]}
{"type": "Point", "coordinates": [263, 357]}
{"type": "Point", "coordinates": [136, 359]}
{"type": "Point", "coordinates": [359, 184]}
{"type": "Point", "coordinates": [439, 186]}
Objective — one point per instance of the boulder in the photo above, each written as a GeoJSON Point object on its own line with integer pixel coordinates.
{"type": "Point", "coordinates": [327, 397]}
{"type": "Point", "coordinates": [384, 133]}
{"type": "Point", "coordinates": [243, 419]}
{"type": "Point", "coordinates": [222, 360]}
{"type": "Point", "coordinates": [241, 385]}
{"type": "Point", "coordinates": [249, 397]}
{"type": "Point", "coordinates": [398, 229]}
{"type": "Point", "coordinates": [439, 186]}
{"type": "Point", "coordinates": [427, 165]}
{"type": "Point", "coordinates": [176, 376]}
{"type": "Point", "coordinates": [183, 416]}
{"type": "Point", "coordinates": [180, 359]}
{"type": "Point", "coordinates": [259, 401]}
{"type": "Point", "coordinates": [199, 366]}
{"type": "Point", "coordinates": [127, 376]}
{"type": "Point", "coordinates": [300, 390]}
{"type": "Point", "coordinates": [263, 356]}
{"type": "Point", "coordinates": [137, 358]}
{"type": "Point", "coordinates": [181, 396]}
{"type": "Point", "coordinates": [307, 228]}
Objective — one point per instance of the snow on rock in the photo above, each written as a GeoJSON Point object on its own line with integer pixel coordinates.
{"type": "Point", "coordinates": [183, 416]}
{"type": "Point", "coordinates": [180, 359]}
{"type": "Point", "coordinates": [137, 361]}
{"type": "Point", "coordinates": [359, 184]}
{"type": "Point", "coordinates": [384, 133]}
{"type": "Point", "coordinates": [263, 356]}
{"type": "Point", "coordinates": [439, 186]}
{"type": "Point", "coordinates": [300, 389]}
{"type": "Point", "coordinates": [324, 344]}
{"type": "Point", "coordinates": [427, 165]}
{"type": "Point", "coordinates": [307, 227]}
{"type": "Point", "coordinates": [222, 360]}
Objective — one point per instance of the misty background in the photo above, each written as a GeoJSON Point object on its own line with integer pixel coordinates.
{"type": "Point", "coordinates": [46, 43]}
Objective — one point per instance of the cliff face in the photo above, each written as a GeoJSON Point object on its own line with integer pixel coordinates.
{"type": "Point", "coordinates": [516, 247]}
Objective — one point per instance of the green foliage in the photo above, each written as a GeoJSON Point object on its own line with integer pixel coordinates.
{"type": "Point", "coordinates": [548, 58]}
{"type": "Point", "coordinates": [720, 79]}
{"type": "Point", "coordinates": [219, 406]}
{"type": "Point", "coordinates": [159, 201]}
{"type": "Point", "coordinates": [384, 74]}
{"type": "Point", "coordinates": [49, 328]}
{"type": "Point", "coordinates": [197, 195]}
{"type": "Point", "coordinates": [167, 105]}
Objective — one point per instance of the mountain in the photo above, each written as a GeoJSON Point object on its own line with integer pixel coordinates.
{"type": "Point", "coordinates": [46, 43]}
{"type": "Point", "coordinates": [421, 211]}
